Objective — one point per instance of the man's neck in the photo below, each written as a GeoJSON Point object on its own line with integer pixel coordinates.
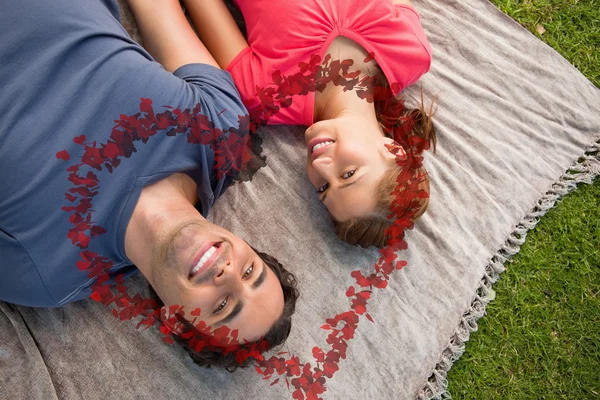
{"type": "Point", "coordinates": [160, 208]}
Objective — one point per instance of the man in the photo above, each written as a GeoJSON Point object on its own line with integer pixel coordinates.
{"type": "Point", "coordinates": [104, 156]}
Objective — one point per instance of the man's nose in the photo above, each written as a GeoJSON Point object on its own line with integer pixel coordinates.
{"type": "Point", "coordinates": [225, 273]}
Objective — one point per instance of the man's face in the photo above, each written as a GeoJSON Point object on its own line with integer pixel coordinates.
{"type": "Point", "coordinates": [200, 265]}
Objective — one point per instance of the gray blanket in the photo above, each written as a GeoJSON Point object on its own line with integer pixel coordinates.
{"type": "Point", "coordinates": [513, 117]}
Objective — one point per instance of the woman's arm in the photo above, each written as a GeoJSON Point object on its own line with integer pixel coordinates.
{"type": "Point", "coordinates": [217, 29]}
{"type": "Point", "coordinates": [167, 35]}
{"type": "Point", "coordinates": [402, 2]}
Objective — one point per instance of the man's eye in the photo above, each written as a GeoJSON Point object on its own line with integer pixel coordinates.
{"type": "Point", "coordinates": [323, 188]}
{"type": "Point", "coordinates": [248, 272]}
{"type": "Point", "coordinates": [221, 306]}
{"type": "Point", "coordinates": [348, 174]}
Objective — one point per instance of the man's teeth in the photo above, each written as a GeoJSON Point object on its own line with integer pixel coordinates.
{"type": "Point", "coordinates": [203, 260]}
{"type": "Point", "coordinates": [322, 144]}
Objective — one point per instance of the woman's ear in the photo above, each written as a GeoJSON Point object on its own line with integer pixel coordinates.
{"type": "Point", "coordinates": [393, 150]}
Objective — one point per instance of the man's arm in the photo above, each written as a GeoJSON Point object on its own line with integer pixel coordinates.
{"type": "Point", "coordinates": [167, 35]}
{"type": "Point", "coordinates": [217, 29]}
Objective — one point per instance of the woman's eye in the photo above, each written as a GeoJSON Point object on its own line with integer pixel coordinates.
{"type": "Point", "coordinates": [349, 174]}
{"type": "Point", "coordinates": [323, 188]}
{"type": "Point", "coordinates": [221, 306]}
{"type": "Point", "coordinates": [248, 272]}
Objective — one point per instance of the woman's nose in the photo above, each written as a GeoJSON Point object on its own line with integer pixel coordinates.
{"type": "Point", "coordinates": [323, 166]}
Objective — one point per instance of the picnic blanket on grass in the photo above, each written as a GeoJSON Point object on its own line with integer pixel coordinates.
{"type": "Point", "coordinates": [513, 118]}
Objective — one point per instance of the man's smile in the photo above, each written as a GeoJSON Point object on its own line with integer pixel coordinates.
{"type": "Point", "coordinates": [206, 256]}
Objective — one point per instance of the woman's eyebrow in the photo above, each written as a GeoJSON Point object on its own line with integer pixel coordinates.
{"type": "Point", "coordinates": [345, 185]}
{"type": "Point", "coordinates": [322, 199]}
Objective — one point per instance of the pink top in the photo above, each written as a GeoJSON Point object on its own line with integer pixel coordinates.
{"type": "Point", "coordinates": [283, 33]}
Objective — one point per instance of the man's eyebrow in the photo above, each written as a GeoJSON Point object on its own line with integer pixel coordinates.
{"type": "Point", "coordinates": [238, 307]}
{"type": "Point", "coordinates": [261, 278]}
{"type": "Point", "coordinates": [236, 310]}
{"type": "Point", "coordinates": [345, 185]}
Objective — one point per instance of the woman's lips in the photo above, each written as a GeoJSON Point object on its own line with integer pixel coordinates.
{"type": "Point", "coordinates": [318, 146]}
{"type": "Point", "coordinates": [205, 257]}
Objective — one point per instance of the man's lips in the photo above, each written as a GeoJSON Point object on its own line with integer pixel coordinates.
{"type": "Point", "coordinates": [204, 258]}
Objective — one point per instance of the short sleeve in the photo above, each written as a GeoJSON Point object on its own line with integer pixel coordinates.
{"type": "Point", "coordinates": [412, 18]}
{"type": "Point", "coordinates": [244, 69]}
{"type": "Point", "coordinates": [216, 86]}
{"type": "Point", "coordinates": [401, 47]}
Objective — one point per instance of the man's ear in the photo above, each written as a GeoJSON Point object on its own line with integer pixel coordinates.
{"type": "Point", "coordinates": [393, 150]}
{"type": "Point", "coordinates": [171, 321]}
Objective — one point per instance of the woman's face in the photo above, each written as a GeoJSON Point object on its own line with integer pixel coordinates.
{"type": "Point", "coordinates": [347, 157]}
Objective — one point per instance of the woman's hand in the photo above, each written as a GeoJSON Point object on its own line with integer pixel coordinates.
{"type": "Point", "coordinates": [167, 35]}
{"type": "Point", "coordinates": [217, 29]}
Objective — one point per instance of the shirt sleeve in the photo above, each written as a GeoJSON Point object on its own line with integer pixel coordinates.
{"type": "Point", "coordinates": [409, 14]}
{"type": "Point", "coordinates": [214, 85]}
{"type": "Point", "coordinates": [417, 52]}
{"type": "Point", "coordinates": [244, 69]}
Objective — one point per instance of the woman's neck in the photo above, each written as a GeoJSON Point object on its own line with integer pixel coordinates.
{"type": "Point", "coordinates": [334, 101]}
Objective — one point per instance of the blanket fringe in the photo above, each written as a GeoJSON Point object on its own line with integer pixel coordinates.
{"type": "Point", "coordinates": [584, 170]}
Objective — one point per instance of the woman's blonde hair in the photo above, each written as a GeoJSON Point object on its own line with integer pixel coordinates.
{"type": "Point", "coordinates": [403, 191]}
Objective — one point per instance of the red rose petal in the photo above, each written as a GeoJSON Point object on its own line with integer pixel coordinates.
{"type": "Point", "coordinates": [63, 155]}
{"type": "Point", "coordinates": [79, 139]}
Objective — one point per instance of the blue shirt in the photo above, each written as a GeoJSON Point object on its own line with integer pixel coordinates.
{"type": "Point", "coordinates": [87, 119]}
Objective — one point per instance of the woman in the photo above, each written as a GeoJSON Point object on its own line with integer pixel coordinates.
{"type": "Point", "coordinates": [358, 151]}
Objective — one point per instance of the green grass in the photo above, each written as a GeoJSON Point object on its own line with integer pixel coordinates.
{"type": "Point", "coordinates": [571, 27]}
{"type": "Point", "coordinates": [541, 336]}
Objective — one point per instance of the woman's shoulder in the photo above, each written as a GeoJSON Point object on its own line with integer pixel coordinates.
{"type": "Point", "coordinates": [400, 46]}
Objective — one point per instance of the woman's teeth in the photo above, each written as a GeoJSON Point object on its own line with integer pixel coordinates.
{"type": "Point", "coordinates": [322, 144]}
{"type": "Point", "coordinates": [203, 260]}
